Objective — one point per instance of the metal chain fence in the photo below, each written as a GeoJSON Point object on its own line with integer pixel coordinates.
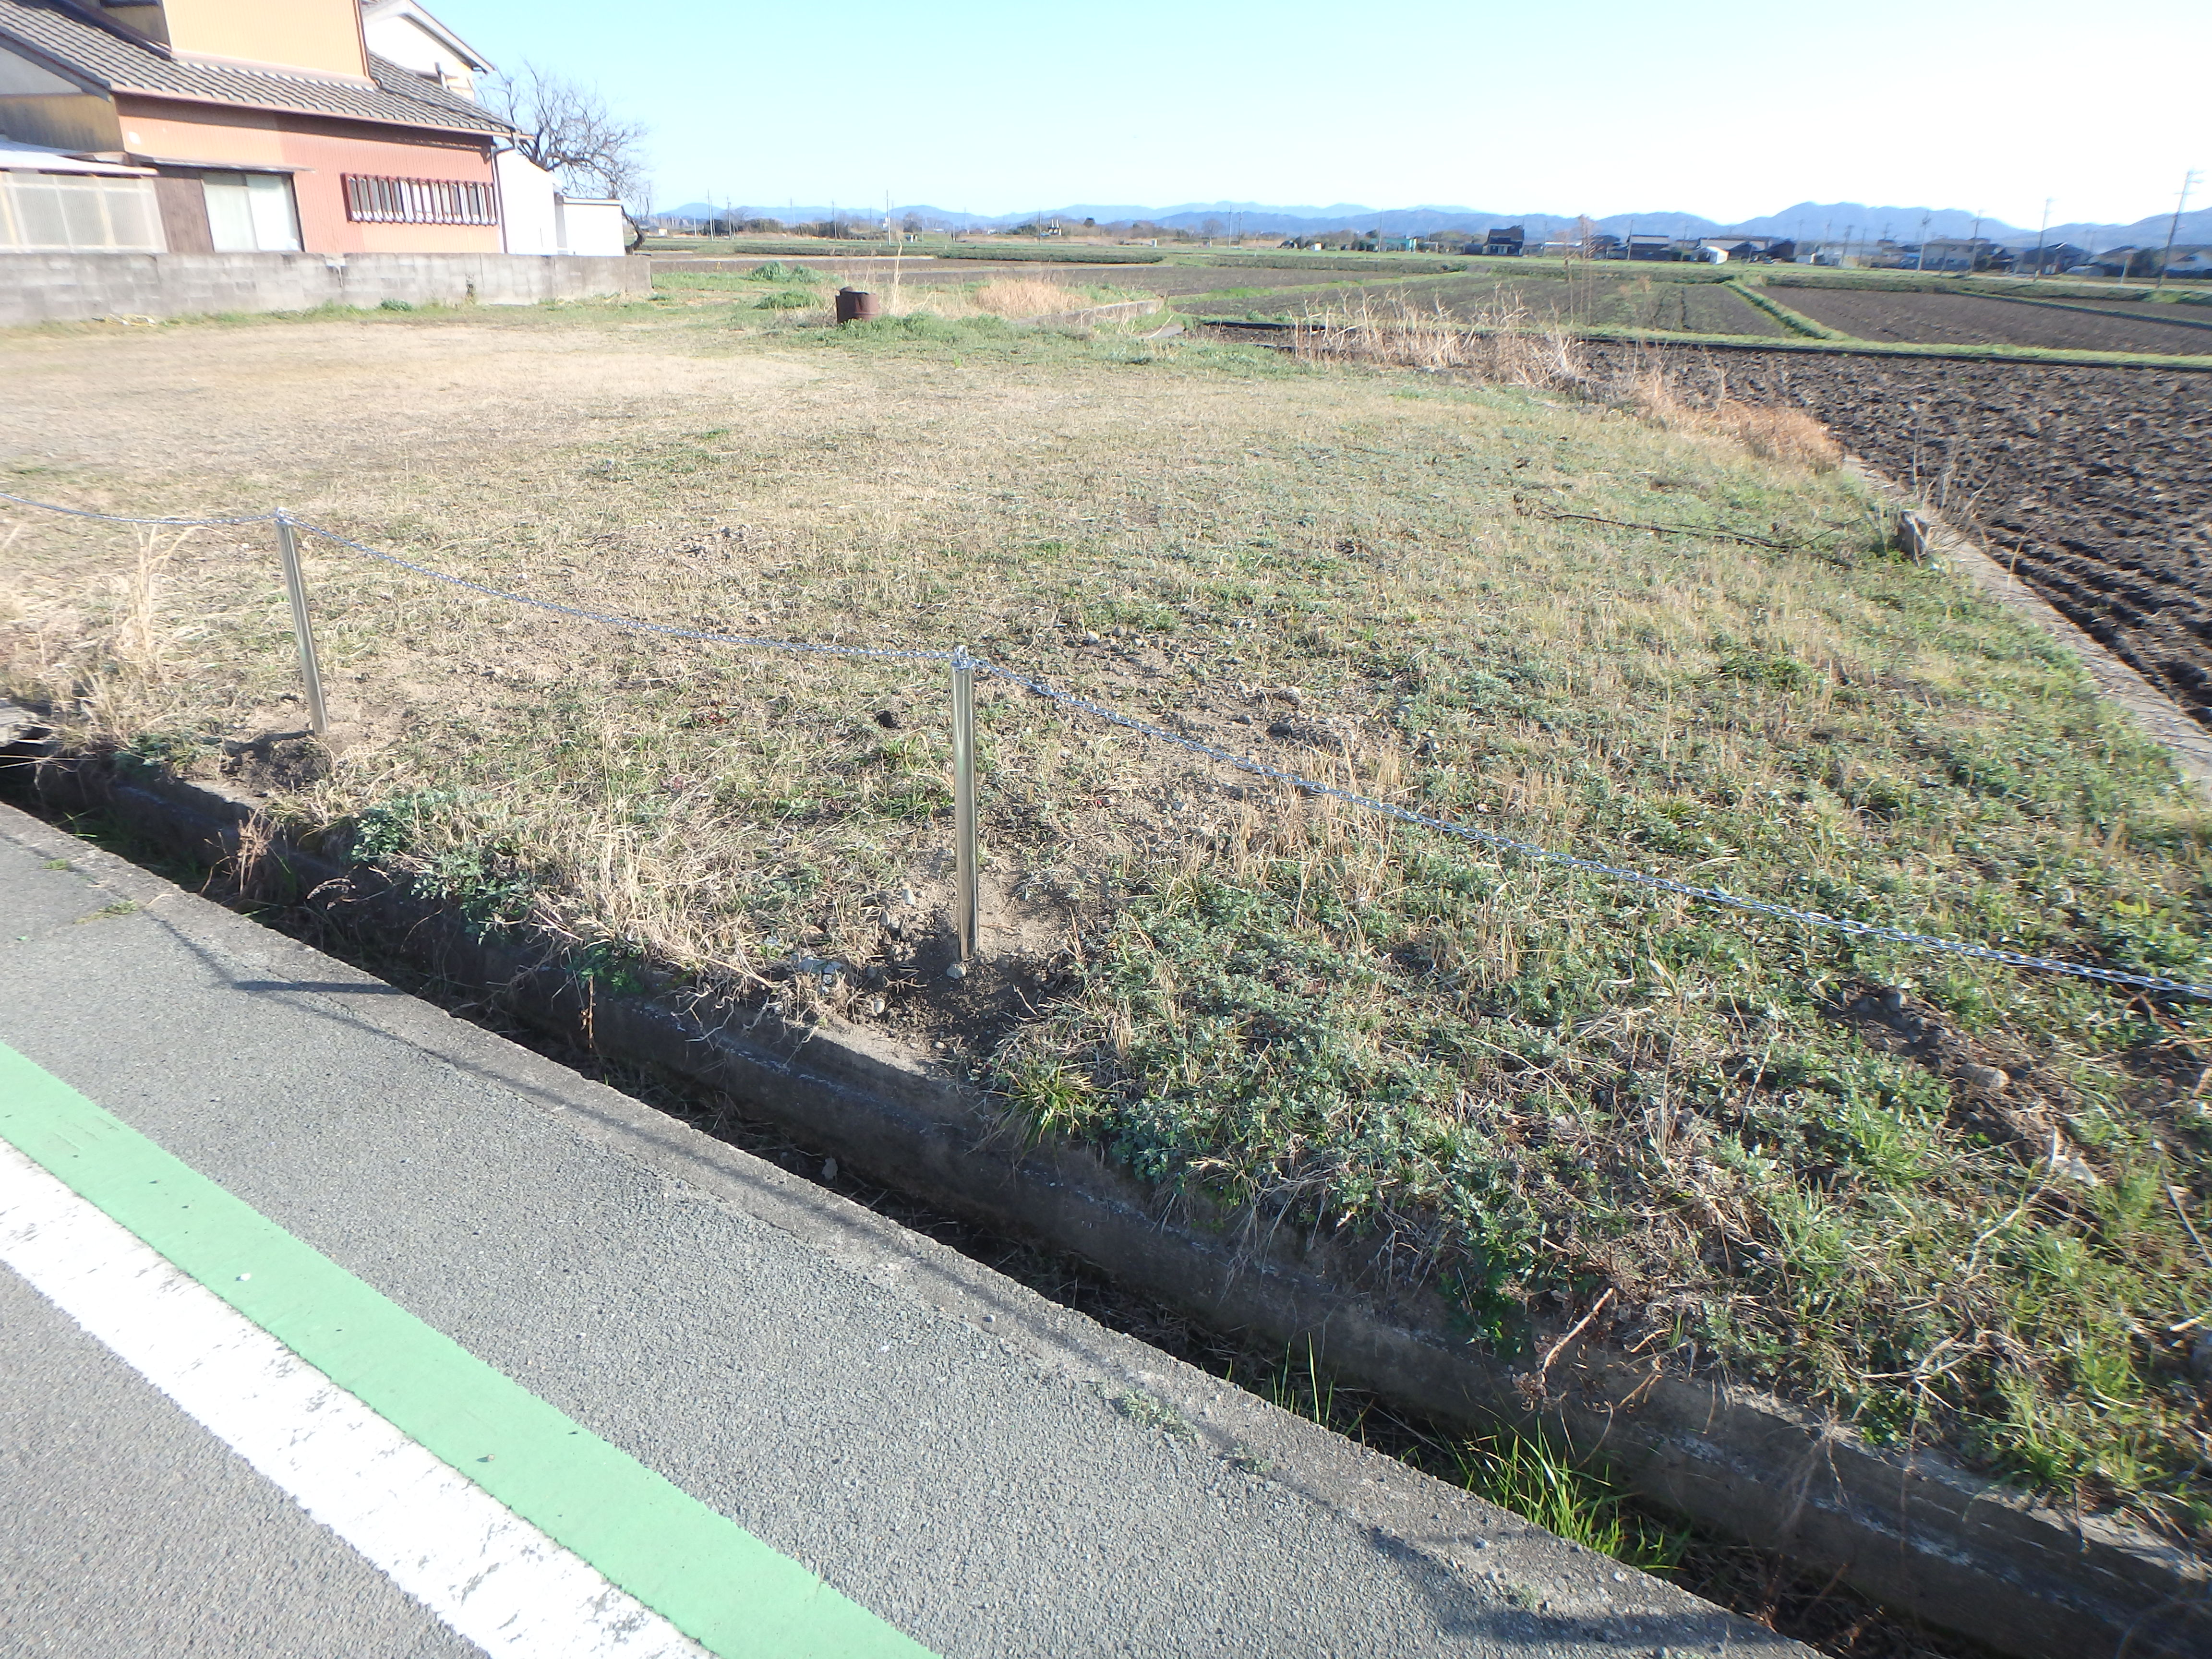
{"type": "Point", "coordinates": [965, 667]}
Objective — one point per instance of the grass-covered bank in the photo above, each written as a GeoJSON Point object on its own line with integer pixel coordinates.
{"type": "Point", "coordinates": [1738, 1144]}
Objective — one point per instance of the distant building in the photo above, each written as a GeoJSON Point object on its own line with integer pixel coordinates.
{"type": "Point", "coordinates": [1640, 246]}
{"type": "Point", "coordinates": [1774, 248]}
{"type": "Point", "coordinates": [1506, 241]}
{"type": "Point", "coordinates": [1963, 254]}
{"type": "Point", "coordinates": [2055, 256]}
{"type": "Point", "coordinates": [197, 126]}
{"type": "Point", "coordinates": [2193, 260]}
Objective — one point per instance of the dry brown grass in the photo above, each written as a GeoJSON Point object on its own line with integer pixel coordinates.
{"type": "Point", "coordinates": [1024, 296]}
{"type": "Point", "coordinates": [137, 642]}
{"type": "Point", "coordinates": [1011, 297]}
{"type": "Point", "coordinates": [1501, 346]}
{"type": "Point", "coordinates": [1793, 436]}
{"type": "Point", "coordinates": [108, 654]}
{"type": "Point", "coordinates": [1495, 344]}
{"type": "Point", "coordinates": [1790, 436]}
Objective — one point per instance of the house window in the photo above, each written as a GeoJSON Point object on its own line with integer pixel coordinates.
{"type": "Point", "coordinates": [374, 201]}
{"type": "Point", "coordinates": [55, 210]}
{"type": "Point", "coordinates": [251, 213]}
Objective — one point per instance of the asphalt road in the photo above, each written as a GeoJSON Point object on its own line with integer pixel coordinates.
{"type": "Point", "coordinates": [986, 1472]}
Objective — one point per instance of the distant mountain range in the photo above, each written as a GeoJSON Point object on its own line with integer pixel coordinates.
{"type": "Point", "coordinates": [1808, 219]}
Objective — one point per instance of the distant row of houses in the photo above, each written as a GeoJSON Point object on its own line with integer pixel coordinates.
{"type": "Point", "coordinates": [1961, 255]}
{"type": "Point", "coordinates": [219, 126]}
{"type": "Point", "coordinates": [1957, 255]}
{"type": "Point", "coordinates": [1513, 242]}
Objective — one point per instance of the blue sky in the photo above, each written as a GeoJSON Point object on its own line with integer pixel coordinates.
{"type": "Point", "coordinates": [1601, 106]}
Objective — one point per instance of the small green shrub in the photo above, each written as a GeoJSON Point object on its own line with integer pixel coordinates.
{"type": "Point", "coordinates": [412, 833]}
{"type": "Point", "coordinates": [1777, 673]}
{"type": "Point", "coordinates": [776, 271]}
{"type": "Point", "coordinates": [173, 751]}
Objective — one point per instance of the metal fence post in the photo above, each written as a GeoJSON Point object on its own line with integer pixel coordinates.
{"type": "Point", "coordinates": [296, 586]}
{"type": "Point", "coordinates": [964, 798]}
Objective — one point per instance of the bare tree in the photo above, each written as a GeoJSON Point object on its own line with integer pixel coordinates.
{"type": "Point", "coordinates": [567, 128]}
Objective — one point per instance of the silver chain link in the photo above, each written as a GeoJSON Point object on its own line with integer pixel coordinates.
{"type": "Point", "coordinates": [118, 517]}
{"type": "Point", "coordinates": [627, 624]}
{"type": "Point", "coordinates": [1490, 838]}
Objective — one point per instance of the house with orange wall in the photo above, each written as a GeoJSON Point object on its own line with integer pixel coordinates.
{"type": "Point", "coordinates": [242, 125]}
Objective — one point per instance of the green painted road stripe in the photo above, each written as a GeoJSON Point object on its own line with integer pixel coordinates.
{"type": "Point", "coordinates": [697, 1569]}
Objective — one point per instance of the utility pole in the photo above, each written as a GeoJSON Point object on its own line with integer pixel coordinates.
{"type": "Point", "coordinates": [2188, 183]}
{"type": "Point", "coordinates": [2043, 240]}
{"type": "Point", "coordinates": [1926, 219]}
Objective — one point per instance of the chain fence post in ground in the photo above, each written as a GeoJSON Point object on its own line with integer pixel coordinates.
{"type": "Point", "coordinates": [296, 586]}
{"type": "Point", "coordinates": [964, 798]}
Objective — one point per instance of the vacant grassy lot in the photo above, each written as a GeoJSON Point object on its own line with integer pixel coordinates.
{"type": "Point", "coordinates": [1952, 1203]}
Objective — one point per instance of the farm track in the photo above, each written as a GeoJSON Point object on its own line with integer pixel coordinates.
{"type": "Point", "coordinates": [2094, 484]}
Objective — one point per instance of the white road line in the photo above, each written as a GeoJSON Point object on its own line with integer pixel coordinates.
{"type": "Point", "coordinates": [487, 1573]}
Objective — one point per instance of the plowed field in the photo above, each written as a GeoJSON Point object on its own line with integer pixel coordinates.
{"type": "Point", "coordinates": [1610, 301]}
{"type": "Point", "coordinates": [1980, 320]}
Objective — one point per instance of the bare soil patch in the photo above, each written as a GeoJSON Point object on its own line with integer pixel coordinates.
{"type": "Point", "coordinates": [223, 415]}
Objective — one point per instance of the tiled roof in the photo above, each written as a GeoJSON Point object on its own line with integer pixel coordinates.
{"type": "Point", "coordinates": [99, 54]}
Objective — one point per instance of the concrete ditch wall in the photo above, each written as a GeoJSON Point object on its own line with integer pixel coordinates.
{"type": "Point", "coordinates": [62, 287]}
{"type": "Point", "coordinates": [1908, 1529]}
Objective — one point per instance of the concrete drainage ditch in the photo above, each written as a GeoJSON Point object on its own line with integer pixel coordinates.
{"type": "Point", "coordinates": [1908, 1530]}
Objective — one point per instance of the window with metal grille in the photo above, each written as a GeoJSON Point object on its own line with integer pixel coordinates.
{"type": "Point", "coordinates": [372, 200]}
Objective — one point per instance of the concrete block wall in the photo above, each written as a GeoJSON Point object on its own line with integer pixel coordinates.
{"type": "Point", "coordinates": [54, 287]}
